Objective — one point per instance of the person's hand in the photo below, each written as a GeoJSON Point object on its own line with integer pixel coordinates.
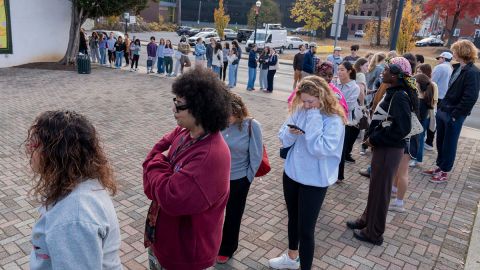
{"type": "Point", "coordinates": [295, 131]}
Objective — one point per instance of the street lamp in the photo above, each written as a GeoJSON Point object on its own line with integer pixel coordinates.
{"type": "Point", "coordinates": [257, 7]}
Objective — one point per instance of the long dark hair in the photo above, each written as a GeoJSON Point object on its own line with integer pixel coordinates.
{"type": "Point", "coordinates": [218, 46]}
{"type": "Point", "coordinates": [69, 152]}
{"type": "Point", "coordinates": [168, 44]}
{"type": "Point", "coordinates": [426, 87]}
{"type": "Point", "coordinates": [349, 67]}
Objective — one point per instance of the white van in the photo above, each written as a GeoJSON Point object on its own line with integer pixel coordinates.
{"type": "Point", "coordinates": [273, 38]}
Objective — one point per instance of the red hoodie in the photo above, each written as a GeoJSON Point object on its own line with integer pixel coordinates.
{"type": "Point", "coordinates": [192, 194]}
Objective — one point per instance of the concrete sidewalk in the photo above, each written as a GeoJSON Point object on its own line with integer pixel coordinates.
{"type": "Point", "coordinates": [133, 110]}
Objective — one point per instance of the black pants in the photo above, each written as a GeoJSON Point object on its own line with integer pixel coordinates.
{"type": "Point", "coordinates": [303, 206]}
{"type": "Point", "coordinates": [111, 56]}
{"type": "Point", "coordinates": [127, 58]}
{"type": "Point", "coordinates": [233, 216]}
{"type": "Point", "coordinates": [351, 134]}
{"type": "Point", "coordinates": [135, 61]}
{"type": "Point", "coordinates": [223, 71]}
{"type": "Point", "coordinates": [431, 134]}
{"type": "Point", "coordinates": [270, 76]}
{"type": "Point", "coordinates": [385, 162]}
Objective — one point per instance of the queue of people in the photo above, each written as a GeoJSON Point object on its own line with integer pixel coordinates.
{"type": "Point", "coordinates": [198, 175]}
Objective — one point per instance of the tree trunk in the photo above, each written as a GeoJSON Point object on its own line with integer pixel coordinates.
{"type": "Point", "coordinates": [444, 28]}
{"type": "Point", "coordinates": [393, 17]}
{"type": "Point", "coordinates": [78, 18]}
{"type": "Point", "coordinates": [379, 22]}
{"type": "Point", "coordinates": [452, 30]}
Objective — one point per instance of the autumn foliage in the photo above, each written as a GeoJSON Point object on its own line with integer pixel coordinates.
{"type": "Point", "coordinates": [409, 26]}
{"type": "Point", "coordinates": [221, 19]}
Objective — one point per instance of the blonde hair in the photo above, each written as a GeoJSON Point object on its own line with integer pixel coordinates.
{"type": "Point", "coordinates": [465, 50]}
{"type": "Point", "coordinates": [377, 58]}
{"type": "Point", "coordinates": [239, 109]}
{"type": "Point", "coordinates": [318, 87]}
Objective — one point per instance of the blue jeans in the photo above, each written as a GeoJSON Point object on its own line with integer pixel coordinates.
{"type": "Point", "coordinates": [160, 66]}
{"type": "Point", "coordinates": [103, 56]}
{"type": "Point", "coordinates": [252, 75]}
{"type": "Point", "coordinates": [263, 78]}
{"type": "Point", "coordinates": [232, 79]}
{"type": "Point", "coordinates": [236, 73]}
{"type": "Point", "coordinates": [217, 69]}
{"type": "Point", "coordinates": [421, 140]}
{"type": "Point", "coordinates": [118, 59]}
{"type": "Point", "coordinates": [448, 132]}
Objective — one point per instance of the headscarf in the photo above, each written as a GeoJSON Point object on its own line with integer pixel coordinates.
{"type": "Point", "coordinates": [401, 67]}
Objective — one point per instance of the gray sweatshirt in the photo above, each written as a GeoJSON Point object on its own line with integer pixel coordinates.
{"type": "Point", "coordinates": [246, 151]}
{"type": "Point", "coordinates": [80, 232]}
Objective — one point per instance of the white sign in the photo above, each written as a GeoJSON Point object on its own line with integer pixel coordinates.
{"type": "Point", "coordinates": [456, 33]}
{"type": "Point", "coordinates": [126, 15]}
{"type": "Point", "coordinates": [133, 19]}
{"type": "Point", "coordinates": [336, 18]}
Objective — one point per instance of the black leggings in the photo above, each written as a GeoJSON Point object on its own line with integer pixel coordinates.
{"type": "Point", "coordinates": [270, 76]}
{"type": "Point", "coordinates": [351, 134]}
{"type": "Point", "coordinates": [303, 206]}
{"type": "Point", "coordinates": [223, 72]}
{"type": "Point", "coordinates": [111, 56]}
{"type": "Point", "coordinates": [233, 216]}
{"type": "Point", "coordinates": [135, 60]}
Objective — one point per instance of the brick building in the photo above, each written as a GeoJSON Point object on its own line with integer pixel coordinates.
{"type": "Point", "coordinates": [367, 12]}
{"type": "Point", "coordinates": [164, 8]}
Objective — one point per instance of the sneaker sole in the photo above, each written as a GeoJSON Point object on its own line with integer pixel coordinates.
{"type": "Point", "coordinates": [292, 268]}
{"type": "Point", "coordinates": [437, 181]}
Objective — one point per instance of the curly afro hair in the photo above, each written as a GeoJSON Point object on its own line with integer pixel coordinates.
{"type": "Point", "coordinates": [207, 98]}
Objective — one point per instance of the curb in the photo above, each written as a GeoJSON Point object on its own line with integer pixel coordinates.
{"type": "Point", "coordinates": [472, 262]}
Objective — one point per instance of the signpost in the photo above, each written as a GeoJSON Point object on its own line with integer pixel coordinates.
{"type": "Point", "coordinates": [337, 20]}
{"type": "Point", "coordinates": [126, 17]}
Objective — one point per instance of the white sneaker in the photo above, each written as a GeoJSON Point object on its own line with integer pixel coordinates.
{"type": "Point", "coordinates": [363, 151]}
{"type": "Point", "coordinates": [428, 147]}
{"type": "Point", "coordinates": [284, 262]}
{"type": "Point", "coordinates": [396, 208]}
{"type": "Point", "coordinates": [412, 163]}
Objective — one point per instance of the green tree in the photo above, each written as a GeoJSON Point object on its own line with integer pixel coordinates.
{"type": "Point", "coordinates": [269, 13]}
{"type": "Point", "coordinates": [83, 9]}
{"type": "Point", "coordinates": [410, 25]}
{"type": "Point", "coordinates": [221, 19]}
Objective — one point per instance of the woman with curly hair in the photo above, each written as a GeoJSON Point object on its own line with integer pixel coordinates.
{"type": "Point", "coordinates": [314, 132]}
{"type": "Point", "coordinates": [78, 226]}
{"type": "Point", "coordinates": [244, 138]}
{"type": "Point", "coordinates": [189, 185]}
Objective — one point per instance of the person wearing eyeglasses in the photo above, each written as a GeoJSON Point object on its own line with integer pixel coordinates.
{"type": "Point", "coordinates": [391, 123]}
{"type": "Point", "coordinates": [353, 57]}
{"type": "Point", "coordinates": [189, 184]}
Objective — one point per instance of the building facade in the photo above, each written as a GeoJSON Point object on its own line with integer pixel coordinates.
{"type": "Point", "coordinates": [33, 21]}
{"type": "Point", "coordinates": [164, 10]}
{"type": "Point", "coordinates": [367, 12]}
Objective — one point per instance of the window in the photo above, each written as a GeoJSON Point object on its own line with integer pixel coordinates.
{"type": "Point", "coordinates": [352, 27]}
{"type": "Point", "coordinates": [369, 13]}
{"type": "Point", "coordinates": [362, 13]}
{"type": "Point", "coordinates": [360, 26]}
{"type": "Point", "coordinates": [376, 13]}
{"type": "Point", "coordinates": [355, 12]}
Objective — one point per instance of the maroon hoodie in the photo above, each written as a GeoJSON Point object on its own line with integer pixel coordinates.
{"type": "Point", "coordinates": [192, 194]}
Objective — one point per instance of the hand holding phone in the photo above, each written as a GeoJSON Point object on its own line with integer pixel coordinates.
{"type": "Point", "coordinates": [296, 128]}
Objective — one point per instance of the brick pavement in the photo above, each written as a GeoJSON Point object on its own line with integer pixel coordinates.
{"type": "Point", "coordinates": [131, 111]}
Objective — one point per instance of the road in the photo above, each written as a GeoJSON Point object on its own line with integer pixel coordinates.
{"type": "Point", "coordinates": [283, 78]}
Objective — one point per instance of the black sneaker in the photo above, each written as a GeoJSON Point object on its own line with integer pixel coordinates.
{"type": "Point", "coordinates": [349, 159]}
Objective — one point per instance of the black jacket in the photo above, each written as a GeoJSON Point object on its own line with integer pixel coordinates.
{"type": "Point", "coordinates": [463, 93]}
{"type": "Point", "coordinates": [400, 117]}
{"type": "Point", "coordinates": [209, 52]}
{"type": "Point", "coordinates": [298, 61]}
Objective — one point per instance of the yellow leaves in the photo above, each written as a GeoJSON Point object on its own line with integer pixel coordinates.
{"type": "Point", "coordinates": [221, 19]}
{"type": "Point", "coordinates": [316, 14]}
{"type": "Point", "coordinates": [411, 23]}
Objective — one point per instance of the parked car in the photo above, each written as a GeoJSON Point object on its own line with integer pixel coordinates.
{"type": "Point", "coordinates": [429, 42]}
{"type": "Point", "coordinates": [192, 32]}
{"type": "Point", "coordinates": [244, 34]}
{"type": "Point", "coordinates": [183, 30]}
{"type": "Point", "coordinates": [207, 29]}
{"type": "Point", "coordinates": [359, 33]}
{"type": "Point", "coordinates": [205, 36]}
{"type": "Point", "coordinates": [295, 42]}
{"type": "Point", "coordinates": [302, 31]}
{"type": "Point", "coordinates": [229, 34]}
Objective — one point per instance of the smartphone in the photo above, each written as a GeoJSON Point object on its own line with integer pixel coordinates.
{"type": "Point", "coordinates": [295, 127]}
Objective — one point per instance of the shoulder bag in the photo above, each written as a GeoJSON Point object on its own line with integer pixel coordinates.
{"type": "Point", "coordinates": [265, 163]}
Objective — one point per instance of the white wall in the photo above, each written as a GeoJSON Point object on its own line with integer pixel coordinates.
{"type": "Point", "coordinates": [40, 30]}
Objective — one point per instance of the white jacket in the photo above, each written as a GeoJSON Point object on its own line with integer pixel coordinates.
{"type": "Point", "coordinates": [217, 58]}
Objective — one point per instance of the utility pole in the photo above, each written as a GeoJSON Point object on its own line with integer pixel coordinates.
{"type": "Point", "coordinates": [337, 24]}
{"type": "Point", "coordinates": [179, 12]}
{"type": "Point", "coordinates": [398, 20]}
{"type": "Point", "coordinates": [199, 9]}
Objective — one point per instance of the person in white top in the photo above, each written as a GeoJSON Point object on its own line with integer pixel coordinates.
{"type": "Point", "coordinates": [217, 58]}
{"type": "Point", "coordinates": [314, 132]}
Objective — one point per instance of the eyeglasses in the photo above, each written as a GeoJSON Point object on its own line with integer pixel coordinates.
{"type": "Point", "coordinates": [179, 107]}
